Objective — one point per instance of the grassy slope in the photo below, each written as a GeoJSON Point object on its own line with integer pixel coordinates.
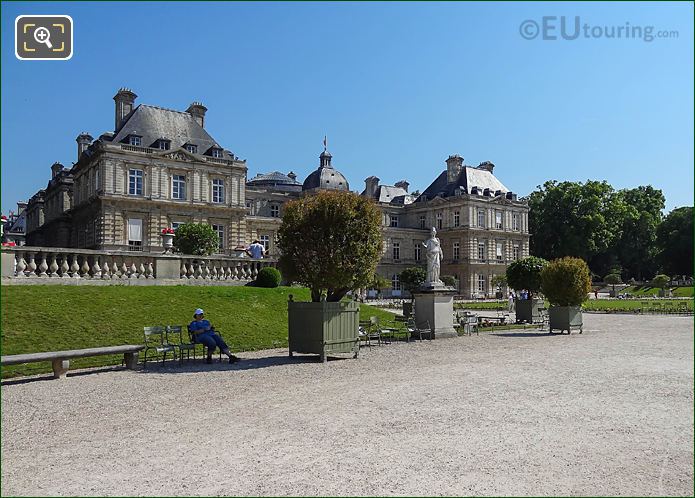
{"type": "Point", "coordinates": [591, 304]}
{"type": "Point", "coordinates": [52, 318]}
{"type": "Point", "coordinates": [647, 291]}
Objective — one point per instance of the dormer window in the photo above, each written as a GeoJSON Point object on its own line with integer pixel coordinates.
{"type": "Point", "coordinates": [192, 148]}
{"type": "Point", "coordinates": [216, 152]}
{"type": "Point", "coordinates": [135, 140]}
{"type": "Point", "coordinates": [163, 144]}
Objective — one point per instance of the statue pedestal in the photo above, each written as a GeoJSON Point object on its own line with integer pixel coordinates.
{"type": "Point", "coordinates": [434, 304]}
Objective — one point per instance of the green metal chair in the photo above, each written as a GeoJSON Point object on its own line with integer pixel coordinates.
{"type": "Point", "coordinates": [174, 337]}
{"type": "Point", "coordinates": [375, 330]}
{"type": "Point", "coordinates": [195, 344]}
{"type": "Point", "coordinates": [156, 341]}
{"type": "Point", "coordinates": [363, 332]}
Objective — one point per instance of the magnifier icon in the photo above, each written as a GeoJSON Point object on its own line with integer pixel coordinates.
{"type": "Point", "coordinates": [42, 35]}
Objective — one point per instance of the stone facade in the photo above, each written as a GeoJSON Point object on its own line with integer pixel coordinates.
{"type": "Point", "coordinates": [160, 168]}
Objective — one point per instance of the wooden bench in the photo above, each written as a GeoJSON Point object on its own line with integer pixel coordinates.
{"type": "Point", "coordinates": [61, 359]}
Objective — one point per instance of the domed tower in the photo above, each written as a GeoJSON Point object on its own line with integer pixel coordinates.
{"type": "Point", "coordinates": [326, 176]}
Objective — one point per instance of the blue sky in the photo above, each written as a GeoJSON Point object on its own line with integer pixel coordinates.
{"type": "Point", "coordinates": [397, 87]}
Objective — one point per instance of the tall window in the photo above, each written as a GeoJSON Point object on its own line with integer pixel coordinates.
{"type": "Point", "coordinates": [265, 240]}
{"type": "Point", "coordinates": [481, 218]}
{"type": "Point", "coordinates": [394, 220]}
{"type": "Point", "coordinates": [134, 234]}
{"type": "Point", "coordinates": [481, 250]}
{"type": "Point", "coordinates": [274, 210]}
{"type": "Point", "coordinates": [218, 191]}
{"type": "Point", "coordinates": [396, 282]}
{"type": "Point", "coordinates": [249, 206]}
{"type": "Point", "coordinates": [396, 250]}
{"type": "Point", "coordinates": [457, 218]}
{"type": "Point", "coordinates": [515, 221]}
{"type": "Point", "coordinates": [456, 251]}
{"type": "Point", "coordinates": [96, 179]}
{"type": "Point", "coordinates": [515, 252]}
{"type": "Point", "coordinates": [498, 220]}
{"type": "Point", "coordinates": [418, 247]}
{"type": "Point", "coordinates": [423, 221]}
{"type": "Point", "coordinates": [135, 182]}
{"type": "Point", "coordinates": [178, 187]}
{"type": "Point", "coordinates": [498, 251]}
{"type": "Point", "coordinates": [481, 283]}
{"type": "Point", "coordinates": [219, 230]}
{"type": "Point", "coordinates": [439, 221]}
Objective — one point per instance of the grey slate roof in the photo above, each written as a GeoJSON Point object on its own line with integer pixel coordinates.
{"type": "Point", "coordinates": [274, 178]}
{"type": "Point", "coordinates": [152, 123]}
{"type": "Point", "coordinates": [392, 195]}
{"type": "Point", "coordinates": [326, 177]}
{"type": "Point", "coordinates": [470, 177]}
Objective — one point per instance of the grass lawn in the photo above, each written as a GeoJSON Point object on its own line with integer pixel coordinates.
{"type": "Point", "coordinates": [482, 305]}
{"type": "Point", "coordinates": [52, 318]}
{"type": "Point", "coordinates": [651, 305]}
{"type": "Point", "coordinates": [647, 291]}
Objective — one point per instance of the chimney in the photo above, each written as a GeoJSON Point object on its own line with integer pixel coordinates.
{"type": "Point", "coordinates": [487, 166]}
{"type": "Point", "coordinates": [403, 184]}
{"type": "Point", "coordinates": [454, 165]}
{"type": "Point", "coordinates": [83, 141]}
{"type": "Point", "coordinates": [198, 110]}
{"type": "Point", "coordinates": [56, 168]}
{"type": "Point", "coordinates": [292, 176]}
{"type": "Point", "coordinates": [370, 186]}
{"type": "Point", "coordinates": [125, 103]}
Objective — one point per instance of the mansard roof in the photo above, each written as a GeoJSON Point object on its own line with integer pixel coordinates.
{"type": "Point", "coordinates": [152, 123]}
{"type": "Point", "coordinates": [469, 178]}
{"type": "Point", "coordinates": [273, 178]}
{"type": "Point", "coordinates": [392, 195]}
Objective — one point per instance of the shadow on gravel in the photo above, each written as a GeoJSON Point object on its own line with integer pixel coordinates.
{"type": "Point", "coordinates": [527, 334]}
{"type": "Point", "coordinates": [49, 376]}
{"type": "Point", "coordinates": [198, 365]}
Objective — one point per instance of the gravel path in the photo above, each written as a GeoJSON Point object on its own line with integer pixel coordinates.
{"type": "Point", "coordinates": [608, 412]}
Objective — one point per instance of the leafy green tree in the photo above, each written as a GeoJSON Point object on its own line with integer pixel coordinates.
{"type": "Point", "coordinates": [412, 278]}
{"type": "Point", "coordinates": [379, 282]}
{"type": "Point", "coordinates": [198, 239]}
{"type": "Point", "coordinates": [660, 282]}
{"type": "Point", "coordinates": [573, 219]}
{"type": "Point", "coordinates": [331, 242]}
{"type": "Point", "coordinates": [525, 273]}
{"type": "Point", "coordinates": [499, 281]}
{"type": "Point", "coordinates": [674, 238]}
{"type": "Point", "coordinates": [613, 279]}
{"type": "Point", "coordinates": [636, 249]}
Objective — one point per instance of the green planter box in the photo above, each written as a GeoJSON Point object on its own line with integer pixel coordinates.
{"type": "Point", "coordinates": [528, 310]}
{"type": "Point", "coordinates": [565, 318]}
{"type": "Point", "coordinates": [323, 328]}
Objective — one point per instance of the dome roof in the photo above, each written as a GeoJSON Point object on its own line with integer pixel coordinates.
{"type": "Point", "coordinates": [274, 178]}
{"type": "Point", "coordinates": [326, 176]}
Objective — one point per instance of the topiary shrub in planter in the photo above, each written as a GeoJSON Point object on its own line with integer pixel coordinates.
{"type": "Point", "coordinates": [661, 282]}
{"type": "Point", "coordinates": [268, 277]}
{"type": "Point", "coordinates": [525, 273]}
{"type": "Point", "coordinates": [330, 242]}
{"type": "Point", "coordinates": [198, 239]}
{"type": "Point", "coordinates": [566, 283]}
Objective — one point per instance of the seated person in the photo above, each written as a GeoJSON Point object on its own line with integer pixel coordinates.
{"type": "Point", "coordinates": [204, 333]}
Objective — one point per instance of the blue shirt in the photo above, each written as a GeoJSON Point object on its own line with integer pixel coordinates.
{"type": "Point", "coordinates": [199, 326]}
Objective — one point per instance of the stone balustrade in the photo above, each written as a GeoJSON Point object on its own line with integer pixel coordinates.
{"type": "Point", "coordinates": [25, 265]}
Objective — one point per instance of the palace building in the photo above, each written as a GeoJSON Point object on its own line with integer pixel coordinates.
{"type": "Point", "coordinates": [160, 168]}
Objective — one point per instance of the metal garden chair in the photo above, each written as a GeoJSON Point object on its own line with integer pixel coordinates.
{"type": "Point", "coordinates": [195, 344]}
{"type": "Point", "coordinates": [155, 340]}
{"type": "Point", "coordinates": [174, 336]}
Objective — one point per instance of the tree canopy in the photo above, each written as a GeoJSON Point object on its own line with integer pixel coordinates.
{"type": "Point", "coordinates": [525, 273]}
{"type": "Point", "coordinates": [594, 222]}
{"type": "Point", "coordinates": [674, 240]}
{"type": "Point", "coordinates": [412, 278]}
{"type": "Point", "coordinates": [331, 242]}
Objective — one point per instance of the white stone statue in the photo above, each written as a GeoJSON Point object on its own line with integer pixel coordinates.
{"type": "Point", "coordinates": [434, 259]}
